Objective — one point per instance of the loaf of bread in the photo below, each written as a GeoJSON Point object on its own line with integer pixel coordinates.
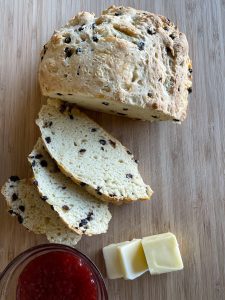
{"type": "Point", "coordinates": [126, 62]}
{"type": "Point", "coordinates": [92, 158]}
{"type": "Point", "coordinates": [25, 203]}
{"type": "Point", "coordinates": [81, 211]}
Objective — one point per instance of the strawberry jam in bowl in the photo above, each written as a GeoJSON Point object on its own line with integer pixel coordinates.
{"type": "Point", "coordinates": [52, 272]}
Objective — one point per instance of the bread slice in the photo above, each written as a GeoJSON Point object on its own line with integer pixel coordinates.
{"type": "Point", "coordinates": [80, 211]}
{"type": "Point", "coordinates": [126, 62]}
{"type": "Point", "coordinates": [89, 155]}
{"type": "Point", "coordinates": [25, 202]}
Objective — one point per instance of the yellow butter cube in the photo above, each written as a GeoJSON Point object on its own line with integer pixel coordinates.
{"type": "Point", "coordinates": [112, 261]}
{"type": "Point", "coordinates": [132, 259]}
{"type": "Point", "coordinates": [162, 253]}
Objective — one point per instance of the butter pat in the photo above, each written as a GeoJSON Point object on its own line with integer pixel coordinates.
{"type": "Point", "coordinates": [112, 261]}
{"type": "Point", "coordinates": [162, 253]}
{"type": "Point", "coordinates": [133, 260]}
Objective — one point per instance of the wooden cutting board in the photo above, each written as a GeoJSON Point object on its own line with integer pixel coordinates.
{"type": "Point", "coordinates": [184, 164]}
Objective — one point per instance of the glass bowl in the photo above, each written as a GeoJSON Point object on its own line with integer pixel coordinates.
{"type": "Point", "coordinates": [9, 277]}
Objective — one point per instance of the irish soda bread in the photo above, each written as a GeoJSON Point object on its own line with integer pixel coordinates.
{"type": "Point", "coordinates": [128, 62]}
{"type": "Point", "coordinates": [25, 202]}
{"type": "Point", "coordinates": [89, 155]}
{"type": "Point", "coordinates": [81, 211]}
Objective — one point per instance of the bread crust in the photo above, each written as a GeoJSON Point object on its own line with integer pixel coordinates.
{"type": "Point", "coordinates": [133, 59]}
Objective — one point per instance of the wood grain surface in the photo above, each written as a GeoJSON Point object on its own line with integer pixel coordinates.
{"type": "Point", "coordinates": [184, 164]}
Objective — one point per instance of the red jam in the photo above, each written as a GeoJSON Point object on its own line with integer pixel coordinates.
{"type": "Point", "coordinates": [56, 276]}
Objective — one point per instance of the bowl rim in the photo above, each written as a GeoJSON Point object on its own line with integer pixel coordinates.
{"type": "Point", "coordinates": [54, 247]}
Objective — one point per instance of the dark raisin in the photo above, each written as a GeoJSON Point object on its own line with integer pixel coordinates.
{"type": "Point", "coordinates": [48, 139]}
{"type": "Point", "coordinates": [119, 13]}
{"type": "Point", "coordinates": [65, 207]}
{"type": "Point", "coordinates": [59, 94]}
{"type": "Point", "coordinates": [42, 57]}
{"type": "Point", "coordinates": [151, 30]}
{"type": "Point", "coordinates": [102, 148]}
{"type": "Point", "coordinates": [125, 109]}
{"type": "Point", "coordinates": [112, 195]}
{"type": "Point", "coordinates": [155, 117]}
{"type": "Point", "coordinates": [78, 71]}
{"type": "Point", "coordinates": [102, 142]}
{"type": "Point", "coordinates": [176, 120]}
{"type": "Point", "coordinates": [172, 36]}
{"type": "Point", "coordinates": [136, 161]}
{"type": "Point", "coordinates": [35, 182]}
{"type": "Point", "coordinates": [81, 151]}
{"type": "Point", "coordinates": [98, 190]}
{"type": "Point", "coordinates": [160, 79]}
{"type": "Point", "coordinates": [33, 163]}
{"type": "Point", "coordinates": [78, 50]}
{"type": "Point", "coordinates": [14, 197]}
{"type": "Point", "coordinates": [89, 216]}
{"type": "Point", "coordinates": [45, 49]}
{"type": "Point", "coordinates": [83, 222]}
{"type": "Point", "coordinates": [150, 94]}
{"type": "Point", "coordinates": [93, 129]}
{"type": "Point", "coordinates": [190, 70]}
{"type": "Point", "coordinates": [190, 90]}
{"type": "Point", "coordinates": [121, 114]}
{"type": "Point", "coordinates": [75, 144]}
{"type": "Point", "coordinates": [44, 198]}
{"type": "Point", "coordinates": [52, 207]}
{"type": "Point", "coordinates": [14, 178]}
{"type": "Point", "coordinates": [129, 175]}
{"type": "Point", "coordinates": [93, 25]}
{"type": "Point", "coordinates": [71, 117]}
{"type": "Point", "coordinates": [11, 212]}
{"type": "Point", "coordinates": [112, 143]}
{"type": "Point", "coordinates": [68, 52]}
{"type": "Point", "coordinates": [168, 50]}
{"type": "Point", "coordinates": [166, 28]}
{"type": "Point", "coordinates": [67, 39]}
{"type": "Point", "coordinates": [81, 28]}
{"type": "Point", "coordinates": [38, 156]}
{"type": "Point", "coordinates": [22, 208]}
{"type": "Point", "coordinates": [20, 219]}
{"type": "Point", "coordinates": [141, 45]}
{"type": "Point", "coordinates": [95, 39]}
{"type": "Point", "coordinates": [44, 163]}
{"type": "Point", "coordinates": [105, 103]}
{"type": "Point", "coordinates": [63, 187]}
{"type": "Point", "coordinates": [82, 183]}
{"type": "Point", "coordinates": [128, 152]}
{"type": "Point", "coordinates": [62, 107]}
{"type": "Point", "coordinates": [46, 125]}
{"type": "Point", "coordinates": [11, 186]}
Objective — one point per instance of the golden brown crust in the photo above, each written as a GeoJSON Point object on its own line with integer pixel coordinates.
{"type": "Point", "coordinates": [126, 56]}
